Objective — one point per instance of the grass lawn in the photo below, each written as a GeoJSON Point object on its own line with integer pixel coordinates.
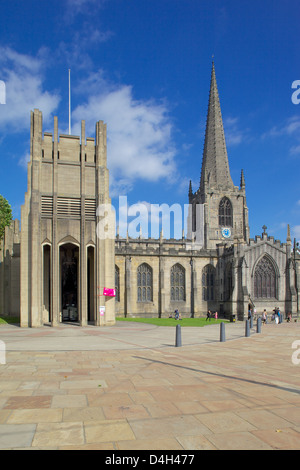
{"type": "Point", "coordinates": [172, 322]}
{"type": "Point", "coordinates": [9, 320]}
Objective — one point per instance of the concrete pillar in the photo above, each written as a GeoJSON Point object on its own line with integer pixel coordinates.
{"type": "Point", "coordinates": [55, 267]}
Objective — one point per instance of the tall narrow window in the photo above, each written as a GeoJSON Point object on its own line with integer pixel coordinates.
{"type": "Point", "coordinates": [225, 213]}
{"type": "Point", "coordinates": [177, 283]}
{"type": "Point", "coordinates": [265, 279]}
{"type": "Point", "coordinates": [144, 283]}
{"type": "Point", "coordinates": [208, 283]}
{"type": "Point", "coordinates": [194, 218]}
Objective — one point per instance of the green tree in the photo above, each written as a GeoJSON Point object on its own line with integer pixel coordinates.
{"type": "Point", "coordinates": [5, 215]}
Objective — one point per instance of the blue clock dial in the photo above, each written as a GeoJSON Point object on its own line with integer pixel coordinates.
{"type": "Point", "coordinates": [226, 232]}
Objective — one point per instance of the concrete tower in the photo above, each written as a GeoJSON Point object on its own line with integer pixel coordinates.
{"type": "Point", "coordinates": [64, 264]}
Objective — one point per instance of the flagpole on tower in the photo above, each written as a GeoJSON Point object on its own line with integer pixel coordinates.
{"type": "Point", "coordinates": [69, 102]}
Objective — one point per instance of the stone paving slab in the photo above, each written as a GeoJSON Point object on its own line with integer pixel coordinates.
{"type": "Point", "coordinates": [133, 389]}
{"type": "Point", "coordinates": [122, 336]}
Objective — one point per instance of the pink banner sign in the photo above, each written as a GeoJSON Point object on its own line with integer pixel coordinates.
{"type": "Point", "coordinates": [109, 292]}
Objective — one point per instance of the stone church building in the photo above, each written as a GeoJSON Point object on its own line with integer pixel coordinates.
{"type": "Point", "coordinates": [57, 268]}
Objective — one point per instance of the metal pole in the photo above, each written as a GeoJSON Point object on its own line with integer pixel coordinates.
{"type": "Point", "coordinates": [69, 102]}
{"type": "Point", "coordinates": [258, 326]}
{"type": "Point", "coordinates": [247, 329]}
{"type": "Point", "coordinates": [178, 336]}
{"type": "Point", "coordinates": [222, 332]}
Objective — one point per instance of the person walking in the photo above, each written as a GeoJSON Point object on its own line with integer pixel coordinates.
{"type": "Point", "coordinates": [208, 315]}
{"type": "Point", "coordinates": [276, 314]}
{"type": "Point", "coordinates": [264, 317]}
{"type": "Point", "coordinates": [249, 314]}
{"type": "Point", "coordinates": [279, 315]}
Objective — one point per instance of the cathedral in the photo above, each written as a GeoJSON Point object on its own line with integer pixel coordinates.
{"type": "Point", "coordinates": [57, 268]}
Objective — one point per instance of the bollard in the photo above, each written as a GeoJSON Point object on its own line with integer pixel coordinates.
{"type": "Point", "coordinates": [247, 329]}
{"type": "Point", "coordinates": [178, 336]}
{"type": "Point", "coordinates": [222, 332]}
{"type": "Point", "coordinates": [258, 325]}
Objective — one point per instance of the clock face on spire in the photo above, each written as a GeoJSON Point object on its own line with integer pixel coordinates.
{"type": "Point", "coordinates": [226, 232]}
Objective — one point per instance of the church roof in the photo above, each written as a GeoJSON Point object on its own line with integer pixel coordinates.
{"type": "Point", "coordinates": [215, 166]}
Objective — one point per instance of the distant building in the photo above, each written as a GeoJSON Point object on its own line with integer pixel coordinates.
{"type": "Point", "coordinates": [56, 268]}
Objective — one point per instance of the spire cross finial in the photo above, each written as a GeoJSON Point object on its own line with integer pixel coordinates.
{"type": "Point", "coordinates": [264, 228]}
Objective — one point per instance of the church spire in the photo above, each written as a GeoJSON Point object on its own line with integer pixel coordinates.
{"type": "Point", "coordinates": [215, 160]}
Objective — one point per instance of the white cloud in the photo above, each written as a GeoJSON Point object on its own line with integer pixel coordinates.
{"type": "Point", "coordinates": [23, 77]}
{"type": "Point", "coordinates": [74, 52]}
{"type": "Point", "coordinates": [292, 126]}
{"type": "Point", "coordinates": [139, 132]}
{"type": "Point", "coordinates": [233, 134]}
{"type": "Point", "coordinates": [84, 8]}
{"type": "Point", "coordinates": [295, 150]}
{"type": "Point", "coordinates": [80, 5]}
{"type": "Point", "coordinates": [23, 161]}
{"type": "Point", "coordinates": [289, 128]}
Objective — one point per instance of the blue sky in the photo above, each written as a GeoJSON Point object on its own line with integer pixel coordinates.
{"type": "Point", "coordinates": [144, 68]}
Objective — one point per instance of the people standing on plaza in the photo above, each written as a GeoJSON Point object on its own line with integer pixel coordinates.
{"type": "Point", "coordinates": [276, 314]}
{"type": "Point", "coordinates": [249, 314]}
{"type": "Point", "coordinates": [264, 316]}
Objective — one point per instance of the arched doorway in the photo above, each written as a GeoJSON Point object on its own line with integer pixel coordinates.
{"type": "Point", "coordinates": [69, 285]}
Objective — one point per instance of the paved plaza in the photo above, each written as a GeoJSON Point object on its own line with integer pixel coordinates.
{"type": "Point", "coordinates": [128, 387]}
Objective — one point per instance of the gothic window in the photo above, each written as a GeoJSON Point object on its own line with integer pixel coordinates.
{"type": "Point", "coordinates": [208, 283]}
{"type": "Point", "coordinates": [265, 279]}
{"type": "Point", "coordinates": [117, 283]}
{"type": "Point", "coordinates": [225, 213]}
{"type": "Point", "coordinates": [177, 283]}
{"type": "Point", "coordinates": [144, 283]}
